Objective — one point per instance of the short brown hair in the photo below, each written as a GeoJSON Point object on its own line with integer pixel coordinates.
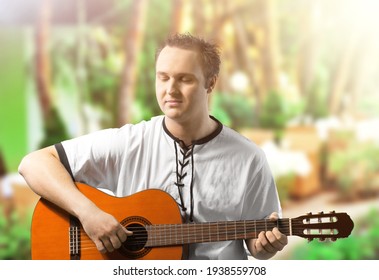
{"type": "Point", "coordinates": [209, 53]}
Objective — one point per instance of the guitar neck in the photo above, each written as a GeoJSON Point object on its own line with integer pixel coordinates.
{"type": "Point", "coordinates": [179, 234]}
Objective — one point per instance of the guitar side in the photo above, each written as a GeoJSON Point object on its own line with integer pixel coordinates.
{"type": "Point", "coordinates": [50, 231]}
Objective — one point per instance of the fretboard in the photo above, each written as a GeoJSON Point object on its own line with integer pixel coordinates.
{"type": "Point", "coordinates": [179, 234]}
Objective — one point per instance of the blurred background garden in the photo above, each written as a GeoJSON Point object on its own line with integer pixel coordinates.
{"type": "Point", "coordinates": [298, 77]}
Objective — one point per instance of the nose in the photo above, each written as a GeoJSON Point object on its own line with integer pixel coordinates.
{"type": "Point", "coordinates": [171, 87]}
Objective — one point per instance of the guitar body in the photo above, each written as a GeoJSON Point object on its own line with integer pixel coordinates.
{"type": "Point", "coordinates": [53, 230]}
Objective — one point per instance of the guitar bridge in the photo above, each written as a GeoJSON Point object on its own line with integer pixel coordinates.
{"type": "Point", "coordinates": [74, 239]}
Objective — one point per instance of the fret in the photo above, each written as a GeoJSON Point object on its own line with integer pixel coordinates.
{"type": "Point", "coordinates": [155, 234]}
{"type": "Point", "coordinates": [152, 235]}
{"type": "Point", "coordinates": [181, 227]}
{"type": "Point", "coordinates": [290, 226]}
{"type": "Point", "coordinates": [165, 234]}
{"type": "Point", "coordinates": [209, 229]}
{"type": "Point", "coordinates": [195, 233]}
{"type": "Point", "coordinates": [218, 231]}
{"type": "Point", "coordinates": [226, 230]}
{"type": "Point", "coordinates": [176, 234]}
{"type": "Point", "coordinates": [235, 229]}
{"type": "Point", "coordinates": [202, 233]}
{"type": "Point", "coordinates": [170, 234]}
{"type": "Point", "coordinates": [160, 234]}
{"type": "Point", "coordinates": [187, 233]}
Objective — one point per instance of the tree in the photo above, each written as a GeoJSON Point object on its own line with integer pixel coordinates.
{"type": "Point", "coordinates": [133, 42]}
{"type": "Point", "coordinates": [54, 130]}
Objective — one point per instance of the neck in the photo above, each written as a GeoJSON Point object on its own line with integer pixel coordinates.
{"type": "Point", "coordinates": [169, 234]}
{"type": "Point", "coordinates": [192, 130]}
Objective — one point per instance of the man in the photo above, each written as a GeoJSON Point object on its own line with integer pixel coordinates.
{"type": "Point", "coordinates": [213, 172]}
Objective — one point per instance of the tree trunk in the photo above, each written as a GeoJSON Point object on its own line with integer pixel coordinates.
{"type": "Point", "coordinates": [81, 70]}
{"type": "Point", "coordinates": [54, 129]}
{"type": "Point", "coordinates": [308, 52]}
{"type": "Point", "coordinates": [42, 60]}
{"type": "Point", "coordinates": [270, 50]}
{"type": "Point", "coordinates": [176, 16]}
{"type": "Point", "coordinates": [247, 64]}
{"type": "Point", "coordinates": [133, 42]}
{"type": "Point", "coordinates": [343, 73]}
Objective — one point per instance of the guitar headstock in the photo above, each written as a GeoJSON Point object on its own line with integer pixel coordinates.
{"type": "Point", "coordinates": [322, 226]}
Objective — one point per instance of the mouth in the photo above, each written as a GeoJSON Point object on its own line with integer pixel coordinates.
{"type": "Point", "coordinates": [173, 102]}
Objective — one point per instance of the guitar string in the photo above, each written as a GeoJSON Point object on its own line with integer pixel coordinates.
{"type": "Point", "coordinates": [161, 232]}
{"type": "Point", "coordinates": [192, 230]}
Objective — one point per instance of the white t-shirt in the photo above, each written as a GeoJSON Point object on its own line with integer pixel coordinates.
{"type": "Point", "coordinates": [230, 181]}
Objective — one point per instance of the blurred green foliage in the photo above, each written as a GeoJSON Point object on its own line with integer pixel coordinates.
{"type": "Point", "coordinates": [284, 184]}
{"type": "Point", "coordinates": [362, 244]}
{"type": "Point", "coordinates": [276, 111]}
{"type": "Point", "coordinates": [15, 236]}
{"type": "Point", "coordinates": [54, 130]}
{"type": "Point", "coordinates": [355, 168]}
{"type": "Point", "coordinates": [233, 110]}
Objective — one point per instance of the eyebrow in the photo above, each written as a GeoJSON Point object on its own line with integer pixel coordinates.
{"type": "Point", "coordinates": [177, 74]}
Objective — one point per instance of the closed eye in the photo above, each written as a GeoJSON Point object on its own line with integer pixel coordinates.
{"type": "Point", "coordinates": [187, 79]}
{"type": "Point", "coordinates": [162, 77]}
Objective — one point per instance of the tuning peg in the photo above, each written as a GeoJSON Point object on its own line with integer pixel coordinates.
{"type": "Point", "coordinates": [322, 239]}
{"type": "Point", "coordinates": [332, 212]}
{"type": "Point", "coordinates": [308, 219]}
{"type": "Point", "coordinates": [333, 239]}
{"type": "Point", "coordinates": [321, 213]}
{"type": "Point", "coordinates": [309, 239]}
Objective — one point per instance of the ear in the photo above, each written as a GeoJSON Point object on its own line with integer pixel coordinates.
{"type": "Point", "coordinates": [211, 84]}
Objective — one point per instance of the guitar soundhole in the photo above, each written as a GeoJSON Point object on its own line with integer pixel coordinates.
{"type": "Point", "coordinates": [134, 246]}
{"type": "Point", "coordinates": [138, 240]}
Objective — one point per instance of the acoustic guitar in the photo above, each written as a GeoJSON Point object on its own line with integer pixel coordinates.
{"type": "Point", "coordinates": [158, 232]}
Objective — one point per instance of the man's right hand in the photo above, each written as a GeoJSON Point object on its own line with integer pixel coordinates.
{"type": "Point", "coordinates": [104, 230]}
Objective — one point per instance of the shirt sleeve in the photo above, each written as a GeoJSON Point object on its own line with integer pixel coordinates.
{"type": "Point", "coordinates": [95, 158]}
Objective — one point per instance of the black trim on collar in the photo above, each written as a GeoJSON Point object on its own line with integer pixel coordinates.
{"type": "Point", "coordinates": [200, 141]}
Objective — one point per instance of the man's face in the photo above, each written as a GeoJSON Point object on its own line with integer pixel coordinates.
{"type": "Point", "coordinates": [180, 85]}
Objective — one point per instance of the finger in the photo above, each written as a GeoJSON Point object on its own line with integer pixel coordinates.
{"type": "Point", "coordinates": [123, 233]}
{"type": "Point", "coordinates": [128, 232]}
{"type": "Point", "coordinates": [274, 216]}
{"type": "Point", "coordinates": [115, 241]}
{"type": "Point", "coordinates": [107, 244]}
{"type": "Point", "coordinates": [264, 243]}
{"type": "Point", "coordinates": [100, 247]}
{"type": "Point", "coordinates": [274, 241]}
{"type": "Point", "coordinates": [282, 238]}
